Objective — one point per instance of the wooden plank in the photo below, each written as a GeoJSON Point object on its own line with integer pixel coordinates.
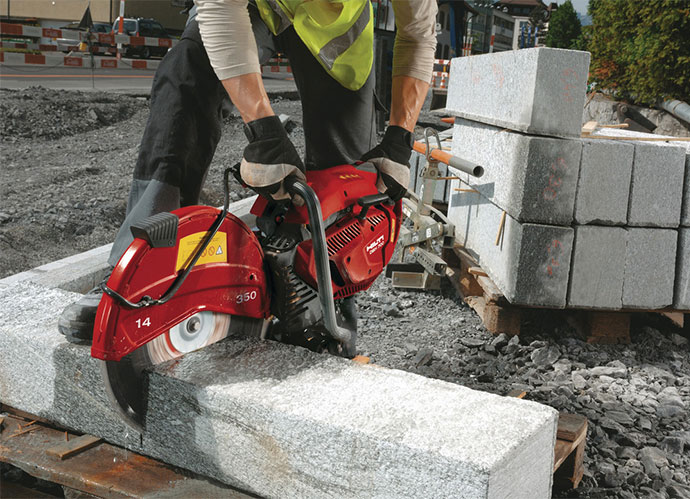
{"type": "Point", "coordinates": [104, 470]}
{"type": "Point", "coordinates": [570, 426]}
{"type": "Point", "coordinates": [608, 328]}
{"type": "Point", "coordinates": [650, 139]}
{"type": "Point", "coordinates": [589, 128]}
{"type": "Point", "coordinates": [517, 393]}
{"type": "Point", "coordinates": [463, 282]}
{"type": "Point", "coordinates": [16, 491]}
{"type": "Point", "coordinates": [676, 317]}
{"type": "Point", "coordinates": [74, 446]}
{"type": "Point", "coordinates": [477, 271]}
{"type": "Point", "coordinates": [564, 448]}
{"type": "Point", "coordinates": [497, 319]}
{"type": "Point", "coordinates": [570, 472]}
{"type": "Point", "coordinates": [561, 451]}
{"type": "Point", "coordinates": [491, 291]}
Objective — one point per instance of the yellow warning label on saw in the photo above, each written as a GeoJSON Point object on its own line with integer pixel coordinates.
{"type": "Point", "coordinates": [215, 252]}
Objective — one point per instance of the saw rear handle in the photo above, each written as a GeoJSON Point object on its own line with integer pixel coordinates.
{"type": "Point", "coordinates": [295, 186]}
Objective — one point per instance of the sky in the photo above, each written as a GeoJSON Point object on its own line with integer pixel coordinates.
{"type": "Point", "coordinates": [580, 5]}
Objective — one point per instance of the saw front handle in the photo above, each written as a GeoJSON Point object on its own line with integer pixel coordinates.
{"type": "Point", "coordinates": [296, 186]}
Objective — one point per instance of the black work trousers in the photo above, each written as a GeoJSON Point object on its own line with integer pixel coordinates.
{"type": "Point", "coordinates": [184, 124]}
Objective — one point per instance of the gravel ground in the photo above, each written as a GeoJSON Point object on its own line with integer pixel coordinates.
{"type": "Point", "coordinates": [67, 160]}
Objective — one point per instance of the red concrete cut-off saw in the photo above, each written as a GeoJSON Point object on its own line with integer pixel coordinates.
{"type": "Point", "coordinates": [199, 274]}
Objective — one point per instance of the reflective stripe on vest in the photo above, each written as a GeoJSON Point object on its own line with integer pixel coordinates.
{"type": "Point", "coordinates": [347, 56]}
{"type": "Point", "coordinates": [285, 21]}
{"type": "Point", "coordinates": [330, 52]}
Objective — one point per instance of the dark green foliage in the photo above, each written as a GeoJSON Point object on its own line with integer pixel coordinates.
{"type": "Point", "coordinates": [538, 16]}
{"type": "Point", "coordinates": [564, 28]}
{"type": "Point", "coordinates": [641, 50]}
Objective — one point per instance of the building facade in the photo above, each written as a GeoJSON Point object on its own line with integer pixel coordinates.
{"type": "Point", "coordinates": [57, 13]}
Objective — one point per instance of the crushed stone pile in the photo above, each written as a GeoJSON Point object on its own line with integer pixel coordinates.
{"type": "Point", "coordinates": [38, 112]}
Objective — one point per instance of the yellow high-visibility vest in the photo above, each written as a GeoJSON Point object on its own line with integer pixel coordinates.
{"type": "Point", "coordinates": [339, 33]}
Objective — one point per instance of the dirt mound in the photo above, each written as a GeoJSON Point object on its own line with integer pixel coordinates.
{"type": "Point", "coordinates": [38, 112]}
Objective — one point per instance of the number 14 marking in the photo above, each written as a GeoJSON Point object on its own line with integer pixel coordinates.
{"type": "Point", "coordinates": [146, 322]}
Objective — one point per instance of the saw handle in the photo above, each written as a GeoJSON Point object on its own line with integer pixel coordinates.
{"type": "Point", "coordinates": [367, 202]}
{"type": "Point", "coordinates": [455, 161]}
{"type": "Point", "coordinates": [323, 270]}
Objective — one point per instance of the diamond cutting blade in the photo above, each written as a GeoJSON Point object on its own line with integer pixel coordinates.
{"type": "Point", "coordinates": [124, 379]}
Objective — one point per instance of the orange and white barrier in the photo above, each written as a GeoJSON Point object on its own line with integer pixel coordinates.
{"type": "Point", "coordinates": [439, 78]}
{"type": "Point", "coordinates": [75, 61]}
{"type": "Point", "coordinates": [45, 47]}
{"type": "Point", "coordinates": [276, 65]}
{"type": "Point", "coordinates": [103, 38]}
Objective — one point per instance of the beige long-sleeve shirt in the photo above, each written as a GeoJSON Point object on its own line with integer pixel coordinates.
{"type": "Point", "coordinates": [227, 34]}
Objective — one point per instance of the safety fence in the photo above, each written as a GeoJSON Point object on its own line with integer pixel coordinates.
{"type": "Point", "coordinates": [439, 78]}
{"type": "Point", "coordinates": [81, 47]}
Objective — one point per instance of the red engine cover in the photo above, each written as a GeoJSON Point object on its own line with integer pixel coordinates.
{"type": "Point", "coordinates": [358, 249]}
{"type": "Point", "coordinates": [336, 188]}
{"type": "Point", "coordinates": [229, 278]}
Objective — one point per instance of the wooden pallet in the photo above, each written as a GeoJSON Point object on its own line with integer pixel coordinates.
{"type": "Point", "coordinates": [88, 465]}
{"type": "Point", "coordinates": [569, 452]}
{"type": "Point", "coordinates": [499, 316]}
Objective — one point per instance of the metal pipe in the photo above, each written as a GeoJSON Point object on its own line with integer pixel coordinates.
{"type": "Point", "coordinates": [323, 269]}
{"type": "Point", "coordinates": [456, 162]}
{"type": "Point", "coordinates": [677, 108]}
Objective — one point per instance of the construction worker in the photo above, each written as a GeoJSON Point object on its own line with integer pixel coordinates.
{"type": "Point", "coordinates": [330, 47]}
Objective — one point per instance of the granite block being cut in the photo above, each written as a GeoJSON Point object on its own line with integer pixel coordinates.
{"type": "Point", "coordinates": [42, 374]}
{"type": "Point", "coordinates": [603, 189]}
{"type": "Point", "coordinates": [531, 262]}
{"type": "Point", "coordinates": [598, 267]}
{"type": "Point", "coordinates": [660, 191]}
{"type": "Point", "coordinates": [650, 268]}
{"type": "Point", "coordinates": [532, 178]}
{"type": "Point", "coordinates": [285, 422]}
{"type": "Point", "coordinates": [681, 296]}
{"type": "Point", "coordinates": [538, 90]}
{"type": "Point", "coordinates": [280, 421]}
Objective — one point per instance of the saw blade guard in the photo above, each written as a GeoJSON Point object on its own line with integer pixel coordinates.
{"type": "Point", "coordinates": [229, 278]}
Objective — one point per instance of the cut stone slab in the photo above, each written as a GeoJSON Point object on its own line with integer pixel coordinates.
{"type": "Point", "coordinates": [650, 268]}
{"type": "Point", "coordinates": [681, 297]}
{"type": "Point", "coordinates": [660, 187]}
{"type": "Point", "coordinates": [598, 267]}
{"type": "Point", "coordinates": [534, 179]}
{"type": "Point", "coordinates": [539, 90]}
{"type": "Point", "coordinates": [280, 421]}
{"type": "Point", "coordinates": [531, 262]}
{"type": "Point", "coordinates": [603, 189]}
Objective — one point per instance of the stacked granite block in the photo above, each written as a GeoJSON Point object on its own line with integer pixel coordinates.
{"type": "Point", "coordinates": [559, 220]}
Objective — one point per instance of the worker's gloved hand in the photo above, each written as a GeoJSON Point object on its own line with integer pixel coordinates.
{"type": "Point", "coordinates": [269, 159]}
{"type": "Point", "coordinates": [391, 159]}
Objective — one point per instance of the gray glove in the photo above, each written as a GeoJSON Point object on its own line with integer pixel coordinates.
{"type": "Point", "coordinates": [391, 158]}
{"type": "Point", "coordinates": [269, 158]}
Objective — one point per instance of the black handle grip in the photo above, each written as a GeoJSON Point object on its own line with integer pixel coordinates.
{"type": "Point", "coordinates": [367, 202]}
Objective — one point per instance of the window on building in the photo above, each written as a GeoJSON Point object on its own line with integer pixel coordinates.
{"type": "Point", "coordinates": [441, 18]}
{"type": "Point", "coordinates": [446, 52]}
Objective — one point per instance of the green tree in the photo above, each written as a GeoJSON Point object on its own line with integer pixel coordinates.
{"type": "Point", "coordinates": [538, 16]}
{"type": "Point", "coordinates": [564, 28]}
{"type": "Point", "coordinates": [641, 50]}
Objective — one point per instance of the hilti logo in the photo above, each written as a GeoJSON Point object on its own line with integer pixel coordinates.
{"type": "Point", "coordinates": [371, 247]}
{"type": "Point", "coordinates": [349, 176]}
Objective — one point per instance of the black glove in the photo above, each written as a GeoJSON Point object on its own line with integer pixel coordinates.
{"type": "Point", "coordinates": [269, 158]}
{"type": "Point", "coordinates": [391, 158]}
